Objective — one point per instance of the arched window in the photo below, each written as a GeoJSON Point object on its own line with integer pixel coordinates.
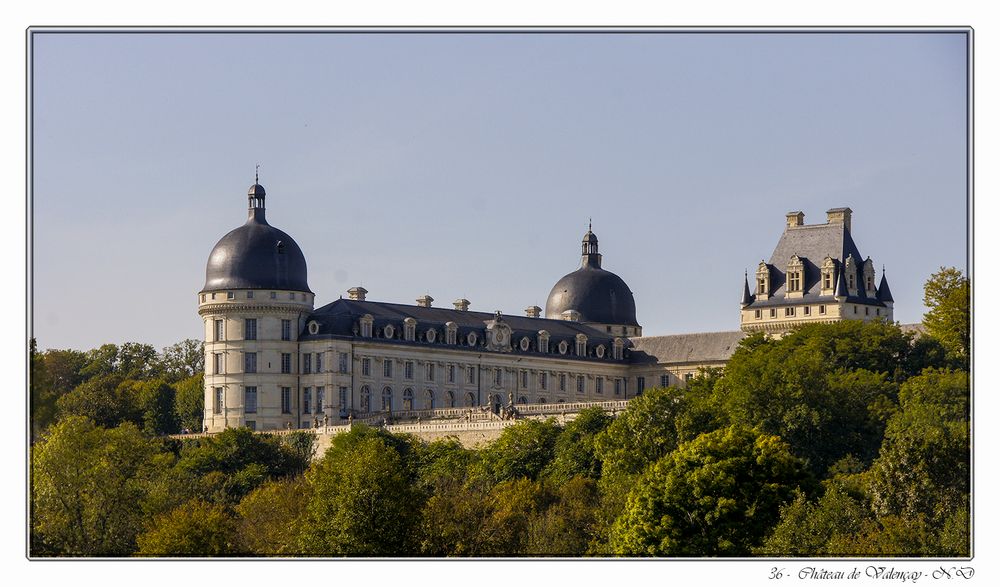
{"type": "Point", "coordinates": [449, 398]}
{"type": "Point", "coordinates": [409, 328]}
{"type": "Point", "coordinates": [366, 399]}
{"type": "Point", "coordinates": [366, 325]}
{"type": "Point", "coordinates": [470, 400]}
{"type": "Point", "coordinates": [429, 399]}
{"type": "Point", "coordinates": [581, 345]}
{"type": "Point", "coordinates": [387, 399]}
{"type": "Point", "coordinates": [541, 400]}
{"type": "Point", "coordinates": [407, 399]}
{"type": "Point", "coordinates": [543, 341]}
{"type": "Point", "coordinates": [450, 332]}
{"type": "Point", "coordinates": [522, 400]}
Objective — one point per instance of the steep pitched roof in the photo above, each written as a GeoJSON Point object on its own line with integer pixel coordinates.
{"type": "Point", "coordinates": [701, 347]}
{"type": "Point", "coordinates": [813, 243]}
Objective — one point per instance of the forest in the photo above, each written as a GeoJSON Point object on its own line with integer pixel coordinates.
{"type": "Point", "coordinates": [843, 439]}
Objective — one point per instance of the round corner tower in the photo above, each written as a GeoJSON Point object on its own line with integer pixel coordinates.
{"type": "Point", "coordinates": [254, 305]}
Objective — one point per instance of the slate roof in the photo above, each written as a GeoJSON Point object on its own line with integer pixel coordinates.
{"type": "Point", "coordinates": [813, 243]}
{"type": "Point", "coordinates": [700, 347]}
{"type": "Point", "coordinates": [338, 319]}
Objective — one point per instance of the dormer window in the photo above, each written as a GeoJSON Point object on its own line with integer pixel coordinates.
{"type": "Point", "coordinates": [618, 349]}
{"type": "Point", "coordinates": [471, 339]}
{"type": "Point", "coordinates": [409, 329]}
{"type": "Point", "coordinates": [851, 268]}
{"type": "Point", "coordinates": [450, 333]}
{"type": "Point", "coordinates": [581, 345]}
{"type": "Point", "coordinates": [525, 343]}
{"type": "Point", "coordinates": [543, 341]}
{"type": "Point", "coordinates": [366, 325]}
{"type": "Point", "coordinates": [431, 335]}
{"type": "Point", "coordinates": [763, 280]}
{"type": "Point", "coordinates": [794, 275]}
{"type": "Point", "coordinates": [388, 331]}
{"type": "Point", "coordinates": [827, 273]}
{"type": "Point", "coordinates": [563, 347]}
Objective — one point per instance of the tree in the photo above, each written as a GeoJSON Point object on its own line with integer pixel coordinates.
{"type": "Point", "coordinates": [923, 468]}
{"type": "Point", "coordinates": [570, 523]}
{"type": "Point", "coordinates": [717, 495]}
{"type": "Point", "coordinates": [85, 484]}
{"type": "Point", "coordinates": [269, 517]}
{"type": "Point", "coordinates": [363, 502]}
{"type": "Point", "coordinates": [54, 373]}
{"type": "Point", "coordinates": [822, 528]}
{"type": "Point", "coordinates": [197, 528]}
{"type": "Point", "coordinates": [946, 295]}
{"type": "Point", "coordinates": [575, 453]}
{"type": "Point", "coordinates": [522, 450]}
{"type": "Point", "coordinates": [155, 404]}
{"type": "Point", "coordinates": [182, 360]}
{"type": "Point", "coordinates": [190, 402]}
{"type": "Point", "coordinates": [101, 399]}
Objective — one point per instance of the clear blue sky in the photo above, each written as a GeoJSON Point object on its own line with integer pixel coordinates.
{"type": "Point", "coordinates": [467, 165]}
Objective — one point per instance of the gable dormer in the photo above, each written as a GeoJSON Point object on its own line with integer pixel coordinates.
{"type": "Point", "coordinates": [827, 276]}
{"type": "Point", "coordinates": [763, 281]}
{"type": "Point", "coordinates": [795, 276]}
{"type": "Point", "coordinates": [851, 275]}
{"type": "Point", "coordinates": [868, 277]}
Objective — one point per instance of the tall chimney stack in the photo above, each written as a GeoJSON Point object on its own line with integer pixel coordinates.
{"type": "Point", "coordinates": [462, 304]}
{"type": "Point", "coordinates": [839, 216]}
{"type": "Point", "coordinates": [357, 293]}
{"type": "Point", "coordinates": [795, 218]}
{"type": "Point", "coordinates": [424, 301]}
{"type": "Point", "coordinates": [533, 311]}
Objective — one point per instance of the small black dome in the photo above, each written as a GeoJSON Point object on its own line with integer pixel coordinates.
{"type": "Point", "coordinates": [599, 296]}
{"type": "Point", "coordinates": [256, 256]}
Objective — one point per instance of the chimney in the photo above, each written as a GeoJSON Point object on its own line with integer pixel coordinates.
{"type": "Point", "coordinates": [424, 301]}
{"type": "Point", "coordinates": [795, 218]}
{"type": "Point", "coordinates": [357, 293]}
{"type": "Point", "coordinates": [533, 311]}
{"type": "Point", "coordinates": [839, 216]}
{"type": "Point", "coordinates": [462, 305]}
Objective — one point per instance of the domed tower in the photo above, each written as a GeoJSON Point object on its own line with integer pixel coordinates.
{"type": "Point", "coordinates": [254, 305]}
{"type": "Point", "coordinates": [594, 296]}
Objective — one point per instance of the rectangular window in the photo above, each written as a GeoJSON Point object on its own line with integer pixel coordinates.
{"type": "Point", "coordinates": [286, 400]}
{"type": "Point", "coordinates": [307, 363]}
{"type": "Point", "coordinates": [307, 400]}
{"type": "Point", "coordinates": [286, 328]}
{"type": "Point", "coordinates": [756, 314]}
{"type": "Point", "coordinates": [822, 309]}
{"type": "Point", "coordinates": [866, 310]}
{"type": "Point", "coordinates": [274, 295]}
{"type": "Point", "coordinates": [761, 285]}
{"type": "Point", "coordinates": [618, 386]}
{"type": "Point", "coordinates": [562, 382]}
{"type": "Point", "coordinates": [471, 372]}
{"type": "Point", "coordinates": [230, 295]}
{"type": "Point", "coordinates": [217, 405]}
{"type": "Point", "coordinates": [451, 374]}
{"type": "Point", "coordinates": [430, 371]}
{"type": "Point", "coordinates": [524, 380]}
{"type": "Point", "coordinates": [855, 309]}
{"type": "Point", "coordinates": [250, 400]}
{"type": "Point", "coordinates": [789, 311]}
{"type": "Point", "coordinates": [408, 370]}
{"type": "Point", "coordinates": [793, 281]}
{"type": "Point", "coordinates": [774, 312]}
{"type": "Point", "coordinates": [664, 381]}
{"type": "Point", "coordinates": [640, 384]}
{"type": "Point", "coordinates": [249, 362]}
{"type": "Point", "coordinates": [543, 380]}
{"type": "Point", "coordinates": [387, 368]}
{"type": "Point", "coordinates": [342, 362]}
{"type": "Point", "coordinates": [286, 362]}
{"type": "Point", "coordinates": [366, 367]}
{"type": "Point", "coordinates": [598, 387]}
{"type": "Point", "coordinates": [250, 294]}
{"type": "Point", "coordinates": [688, 376]}
{"type": "Point", "coordinates": [498, 376]}
{"type": "Point", "coordinates": [291, 295]}
{"type": "Point", "coordinates": [250, 329]}
{"type": "Point", "coordinates": [319, 362]}
{"type": "Point", "coordinates": [218, 366]}
{"type": "Point", "coordinates": [319, 399]}
{"type": "Point", "coordinates": [343, 399]}
{"type": "Point", "coordinates": [579, 384]}
{"type": "Point", "coordinates": [827, 277]}
{"type": "Point", "coordinates": [218, 331]}
{"type": "Point", "coordinates": [806, 310]}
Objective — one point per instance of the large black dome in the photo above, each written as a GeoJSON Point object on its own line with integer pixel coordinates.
{"type": "Point", "coordinates": [598, 295]}
{"type": "Point", "coordinates": [256, 256]}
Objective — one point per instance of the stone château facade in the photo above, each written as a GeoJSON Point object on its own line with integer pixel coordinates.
{"type": "Point", "coordinates": [275, 361]}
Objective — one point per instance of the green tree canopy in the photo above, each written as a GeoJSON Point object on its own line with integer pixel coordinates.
{"type": "Point", "coordinates": [190, 402]}
{"type": "Point", "coordinates": [717, 495]}
{"type": "Point", "coordinates": [522, 450]}
{"type": "Point", "coordinates": [86, 482]}
{"type": "Point", "coordinates": [269, 517]}
{"type": "Point", "coordinates": [948, 317]}
{"type": "Point", "coordinates": [197, 528]}
{"type": "Point", "coordinates": [363, 502]}
{"type": "Point", "coordinates": [575, 452]}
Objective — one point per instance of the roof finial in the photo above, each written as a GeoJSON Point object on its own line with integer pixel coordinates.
{"type": "Point", "coordinates": [256, 174]}
{"type": "Point", "coordinates": [590, 224]}
{"type": "Point", "coordinates": [883, 268]}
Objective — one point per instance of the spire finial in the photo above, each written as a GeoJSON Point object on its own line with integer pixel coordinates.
{"type": "Point", "coordinates": [590, 224]}
{"type": "Point", "coordinates": [883, 268]}
{"type": "Point", "coordinates": [256, 174]}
